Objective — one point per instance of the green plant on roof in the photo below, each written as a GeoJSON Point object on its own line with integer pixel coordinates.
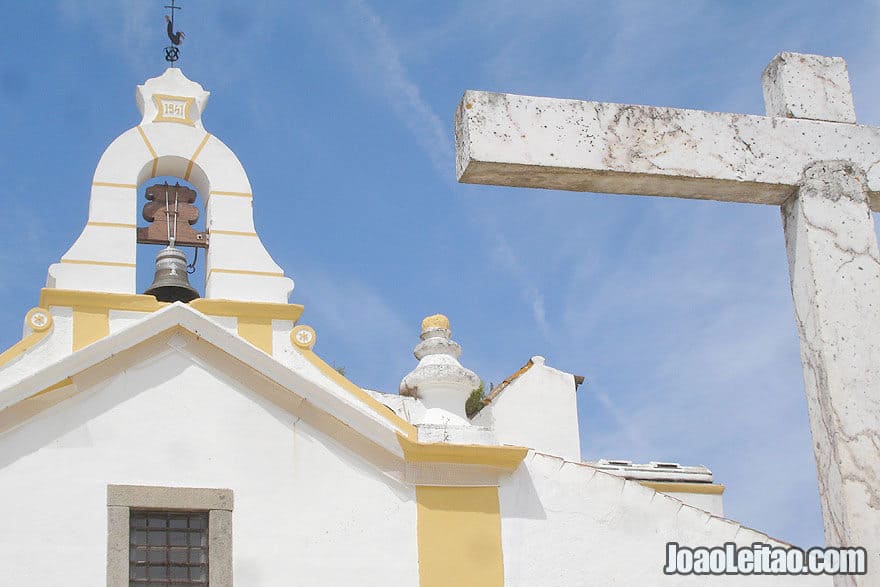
{"type": "Point", "coordinates": [474, 402]}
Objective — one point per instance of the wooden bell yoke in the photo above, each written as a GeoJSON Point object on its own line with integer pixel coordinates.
{"type": "Point", "coordinates": [171, 212]}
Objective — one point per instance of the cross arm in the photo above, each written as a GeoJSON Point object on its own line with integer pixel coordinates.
{"type": "Point", "coordinates": [524, 141]}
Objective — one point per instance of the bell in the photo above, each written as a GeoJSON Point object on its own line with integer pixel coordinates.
{"type": "Point", "coordinates": [171, 283]}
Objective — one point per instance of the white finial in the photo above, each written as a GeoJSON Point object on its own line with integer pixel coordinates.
{"type": "Point", "coordinates": [439, 380]}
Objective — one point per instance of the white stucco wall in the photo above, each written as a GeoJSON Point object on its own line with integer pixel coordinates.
{"type": "Point", "coordinates": [175, 410]}
{"type": "Point", "coordinates": [58, 343]}
{"type": "Point", "coordinates": [307, 511]}
{"type": "Point", "coordinates": [538, 409]}
{"type": "Point", "coordinates": [566, 523]}
{"type": "Point", "coordinates": [712, 503]}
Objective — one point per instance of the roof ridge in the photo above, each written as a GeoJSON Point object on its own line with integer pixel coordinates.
{"type": "Point", "coordinates": [510, 379]}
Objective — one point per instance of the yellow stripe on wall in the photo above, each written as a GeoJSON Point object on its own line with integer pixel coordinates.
{"type": "Point", "coordinates": [459, 534]}
{"type": "Point", "coordinates": [246, 272]}
{"type": "Point", "coordinates": [233, 232]}
{"type": "Point", "coordinates": [22, 346]}
{"type": "Point", "coordinates": [195, 156]}
{"type": "Point", "coordinates": [233, 194]}
{"type": "Point", "coordinates": [107, 184]}
{"type": "Point", "coordinates": [257, 331]}
{"type": "Point", "coordinates": [151, 149]}
{"type": "Point", "coordinates": [89, 325]}
{"type": "Point", "coordinates": [111, 224]}
{"type": "Point", "coordinates": [101, 263]}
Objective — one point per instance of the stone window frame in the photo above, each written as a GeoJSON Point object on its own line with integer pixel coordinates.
{"type": "Point", "coordinates": [121, 499]}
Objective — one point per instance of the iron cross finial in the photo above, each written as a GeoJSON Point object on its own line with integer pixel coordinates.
{"type": "Point", "coordinates": [172, 53]}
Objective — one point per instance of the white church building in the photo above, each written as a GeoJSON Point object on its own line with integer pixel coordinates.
{"type": "Point", "coordinates": [145, 442]}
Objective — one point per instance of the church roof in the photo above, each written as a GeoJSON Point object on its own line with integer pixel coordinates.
{"type": "Point", "coordinates": [301, 375]}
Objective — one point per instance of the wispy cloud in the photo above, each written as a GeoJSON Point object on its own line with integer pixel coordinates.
{"type": "Point", "coordinates": [503, 255]}
{"type": "Point", "coordinates": [375, 58]}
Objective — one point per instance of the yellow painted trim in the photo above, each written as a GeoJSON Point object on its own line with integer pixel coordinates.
{"type": "Point", "coordinates": [39, 319]}
{"type": "Point", "coordinates": [408, 429]}
{"type": "Point", "coordinates": [32, 339]}
{"type": "Point", "coordinates": [143, 303]}
{"type": "Point", "coordinates": [22, 346]}
{"type": "Point", "coordinates": [147, 142]}
{"type": "Point", "coordinates": [233, 232]}
{"type": "Point", "coordinates": [246, 272]}
{"type": "Point", "coordinates": [187, 113]}
{"type": "Point", "coordinates": [110, 301]}
{"type": "Point", "coordinates": [303, 337]}
{"type": "Point", "coordinates": [63, 383]}
{"type": "Point", "coordinates": [234, 194]}
{"type": "Point", "coordinates": [103, 263]}
{"type": "Point", "coordinates": [150, 149]}
{"type": "Point", "coordinates": [257, 331]}
{"type": "Point", "coordinates": [459, 536]}
{"type": "Point", "coordinates": [674, 487]}
{"type": "Point", "coordinates": [91, 310]}
{"type": "Point", "coordinates": [89, 325]}
{"type": "Point", "coordinates": [107, 184]}
{"type": "Point", "coordinates": [111, 224]}
{"type": "Point", "coordinates": [248, 309]}
{"type": "Point", "coordinates": [195, 156]}
{"type": "Point", "coordinates": [503, 457]}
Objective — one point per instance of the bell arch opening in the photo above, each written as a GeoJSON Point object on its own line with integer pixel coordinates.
{"type": "Point", "coordinates": [177, 167]}
{"type": "Point", "coordinates": [167, 217]}
{"type": "Point", "coordinates": [168, 180]}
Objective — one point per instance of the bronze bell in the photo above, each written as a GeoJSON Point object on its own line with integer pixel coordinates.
{"type": "Point", "coordinates": [171, 283]}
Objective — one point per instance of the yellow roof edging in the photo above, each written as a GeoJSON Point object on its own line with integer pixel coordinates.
{"type": "Point", "coordinates": [92, 299]}
{"type": "Point", "coordinates": [22, 346]}
{"type": "Point", "coordinates": [39, 330]}
{"type": "Point", "coordinates": [145, 303]}
{"type": "Point", "coordinates": [408, 429]}
{"type": "Point", "coordinates": [504, 457]}
{"type": "Point", "coordinates": [236, 309]}
{"type": "Point", "coordinates": [683, 487]}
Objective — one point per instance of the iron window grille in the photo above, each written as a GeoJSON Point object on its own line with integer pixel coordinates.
{"type": "Point", "coordinates": [168, 548]}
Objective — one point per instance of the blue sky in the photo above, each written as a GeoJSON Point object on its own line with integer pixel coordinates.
{"type": "Point", "coordinates": [678, 312]}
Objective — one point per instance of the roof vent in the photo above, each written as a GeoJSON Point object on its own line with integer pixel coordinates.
{"type": "Point", "coordinates": [659, 465]}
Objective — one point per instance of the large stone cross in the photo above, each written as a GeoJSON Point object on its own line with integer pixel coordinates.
{"type": "Point", "coordinates": [808, 156]}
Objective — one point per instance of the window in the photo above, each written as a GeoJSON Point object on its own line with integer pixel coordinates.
{"type": "Point", "coordinates": [169, 536]}
{"type": "Point", "coordinates": [168, 548]}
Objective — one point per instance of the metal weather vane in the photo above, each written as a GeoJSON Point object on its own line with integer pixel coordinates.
{"type": "Point", "coordinates": [172, 53]}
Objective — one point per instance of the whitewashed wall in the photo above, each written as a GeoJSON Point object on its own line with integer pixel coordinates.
{"type": "Point", "coordinates": [566, 523]}
{"type": "Point", "coordinates": [712, 503]}
{"type": "Point", "coordinates": [307, 512]}
{"type": "Point", "coordinates": [538, 410]}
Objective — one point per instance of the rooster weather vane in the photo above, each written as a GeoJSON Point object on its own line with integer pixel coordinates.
{"type": "Point", "coordinates": [172, 53]}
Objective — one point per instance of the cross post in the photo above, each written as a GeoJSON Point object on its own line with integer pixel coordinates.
{"type": "Point", "coordinates": [808, 156]}
{"type": "Point", "coordinates": [172, 7]}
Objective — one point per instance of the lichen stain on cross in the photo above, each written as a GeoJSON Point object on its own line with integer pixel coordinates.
{"type": "Point", "coordinates": [808, 157]}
